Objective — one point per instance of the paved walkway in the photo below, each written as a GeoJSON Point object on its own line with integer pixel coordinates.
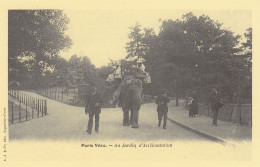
{"type": "Point", "coordinates": [225, 131]}
{"type": "Point", "coordinates": [65, 122]}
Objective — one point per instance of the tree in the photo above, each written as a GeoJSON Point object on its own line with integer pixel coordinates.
{"type": "Point", "coordinates": [35, 38]}
{"type": "Point", "coordinates": [248, 47]}
{"type": "Point", "coordinates": [104, 71]}
{"type": "Point", "coordinates": [188, 53]}
{"type": "Point", "coordinates": [244, 81]}
{"type": "Point", "coordinates": [81, 70]}
{"type": "Point", "coordinates": [142, 44]}
{"type": "Point", "coordinates": [136, 48]}
{"type": "Point", "coordinates": [61, 72]}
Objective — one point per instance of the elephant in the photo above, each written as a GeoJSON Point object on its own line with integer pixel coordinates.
{"type": "Point", "coordinates": [131, 100]}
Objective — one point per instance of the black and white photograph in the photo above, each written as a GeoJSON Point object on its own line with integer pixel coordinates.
{"type": "Point", "coordinates": [127, 81]}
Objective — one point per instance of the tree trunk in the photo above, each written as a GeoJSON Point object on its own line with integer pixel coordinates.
{"type": "Point", "coordinates": [235, 99]}
{"type": "Point", "coordinates": [240, 113]}
{"type": "Point", "coordinates": [37, 70]}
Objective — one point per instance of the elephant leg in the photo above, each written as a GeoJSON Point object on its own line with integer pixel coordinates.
{"type": "Point", "coordinates": [135, 119]}
{"type": "Point", "coordinates": [126, 117]}
{"type": "Point", "coordinates": [160, 115]}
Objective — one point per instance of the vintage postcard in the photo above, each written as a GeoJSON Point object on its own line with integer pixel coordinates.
{"type": "Point", "coordinates": [129, 83]}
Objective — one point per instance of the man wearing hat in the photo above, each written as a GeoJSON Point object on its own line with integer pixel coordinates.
{"type": "Point", "coordinates": [215, 103]}
{"type": "Point", "coordinates": [162, 107]}
{"type": "Point", "coordinates": [93, 108]}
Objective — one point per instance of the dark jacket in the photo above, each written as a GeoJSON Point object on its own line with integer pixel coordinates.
{"type": "Point", "coordinates": [162, 103]}
{"type": "Point", "coordinates": [91, 101]}
{"type": "Point", "coordinates": [194, 106]}
{"type": "Point", "coordinates": [215, 101]}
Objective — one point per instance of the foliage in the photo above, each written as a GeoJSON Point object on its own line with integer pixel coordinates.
{"type": "Point", "coordinates": [248, 47]}
{"type": "Point", "coordinates": [35, 38]}
{"type": "Point", "coordinates": [189, 53]}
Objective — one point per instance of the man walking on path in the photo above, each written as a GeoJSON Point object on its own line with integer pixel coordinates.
{"type": "Point", "coordinates": [93, 108]}
{"type": "Point", "coordinates": [162, 107]}
{"type": "Point", "coordinates": [215, 103]}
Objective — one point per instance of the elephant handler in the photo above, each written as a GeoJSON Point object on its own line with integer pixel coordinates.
{"type": "Point", "coordinates": [93, 108]}
{"type": "Point", "coordinates": [162, 107]}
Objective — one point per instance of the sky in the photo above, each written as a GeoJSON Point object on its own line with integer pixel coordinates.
{"type": "Point", "coordinates": [102, 34]}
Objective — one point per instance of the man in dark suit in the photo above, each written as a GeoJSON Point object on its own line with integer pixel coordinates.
{"type": "Point", "coordinates": [93, 108]}
{"type": "Point", "coordinates": [162, 107]}
{"type": "Point", "coordinates": [215, 103]}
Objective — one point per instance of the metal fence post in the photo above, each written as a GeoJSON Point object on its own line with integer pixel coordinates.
{"type": "Point", "coordinates": [32, 108]}
{"type": "Point", "coordinates": [26, 111]}
{"type": "Point", "coordinates": [19, 111]}
{"type": "Point", "coordinates": [42, 106]}
{"type": "Point", "coordinates": [37, 108]}
{"type": "Point", "coordinates": [45, 107]}
{"type": "Point", "coordinates": [12, 112]}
